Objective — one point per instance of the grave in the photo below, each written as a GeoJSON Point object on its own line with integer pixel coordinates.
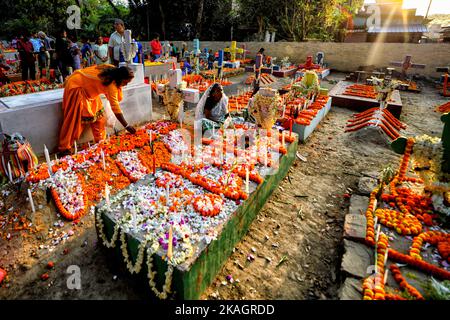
{"type": "Point", "coordinates": [360, 103]}
{"type": "Point", "coordinates": [193, 276]}
{"type": "Point", "coordinates": [38, 116]}
{"type": "Point", "coordinates": [305, 131]}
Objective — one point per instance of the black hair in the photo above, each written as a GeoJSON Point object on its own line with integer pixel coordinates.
{"type": "Point", "coordinates": [261, 50]}
{"type": "Point", "coordinates": [117, 75]}
{"type": "Point", "coordinates": [155, 35]}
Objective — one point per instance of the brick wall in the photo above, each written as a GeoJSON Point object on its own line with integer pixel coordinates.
{"type": "Point", "coordinates": [348, 56]}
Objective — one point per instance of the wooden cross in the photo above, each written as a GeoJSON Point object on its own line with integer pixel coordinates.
{"type": "Point", "coordinates": [406, 64]}
{"type": "Point", "coordinates": [233, 50]}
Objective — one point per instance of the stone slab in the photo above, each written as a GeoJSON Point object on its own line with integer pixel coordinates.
{"type": "Point", "coordinates": [351, 289]}
{"type": "Point", "coordinates": [355, 226]}
{"type": "Point", "coordinates": [366, 185]}
{"type": "Point", "coordinates": [358, 204]}
{"type": "Point", "coordinates": [357, 259]}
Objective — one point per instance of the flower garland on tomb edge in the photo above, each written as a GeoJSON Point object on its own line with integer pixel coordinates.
{"type": "Point", "coordinates": [138, 265]}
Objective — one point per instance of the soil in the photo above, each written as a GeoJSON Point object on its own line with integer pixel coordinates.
{"type": "Point", "coordinates": [296, 239]}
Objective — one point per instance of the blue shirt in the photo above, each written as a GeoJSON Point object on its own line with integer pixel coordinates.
{"type": "Point", "coordinates": [139, 52]}
{"type": "Point", "coordinates": [85, 49]}
{"type": "Point", "coordinates": [37, 44]}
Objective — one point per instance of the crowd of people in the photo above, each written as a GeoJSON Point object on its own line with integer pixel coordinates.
{"type": "Point", "coordinates": [39, 53]}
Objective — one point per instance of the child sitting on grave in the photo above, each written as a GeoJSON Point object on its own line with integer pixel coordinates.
{"type": "Point", "coordinates": [212, 109]}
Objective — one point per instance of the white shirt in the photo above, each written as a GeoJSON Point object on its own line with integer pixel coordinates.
{"type": "Point", "coordinates": [115, 42]}
{"type": "Point", "coordinates": [102, 51]}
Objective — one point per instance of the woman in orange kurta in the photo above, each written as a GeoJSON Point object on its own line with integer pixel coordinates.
{"type": "Point", "coordinates": [83, 107]}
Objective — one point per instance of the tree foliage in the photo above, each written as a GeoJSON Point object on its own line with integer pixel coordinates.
{"type": "Point", "coordinates": [50, 16]}
{"type": "Point", "coordinates": [294, 20]}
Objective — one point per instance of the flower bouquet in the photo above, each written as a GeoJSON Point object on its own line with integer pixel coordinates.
{"type": "Point", "coordinates": [173, 101]}
{"type": "Point", "coordinates": [384, 89]}
{"type": "Point", "coordinates": [265, 107]}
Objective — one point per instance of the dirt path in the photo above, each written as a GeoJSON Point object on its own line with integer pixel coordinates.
{"type": "Point", "coordinates": [301, 225]}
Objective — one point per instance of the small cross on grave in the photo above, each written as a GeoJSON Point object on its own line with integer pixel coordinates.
{"type": "Point", "coordinates": [233, 50]}
{"type": "Point", "coordinates": [406, 64]}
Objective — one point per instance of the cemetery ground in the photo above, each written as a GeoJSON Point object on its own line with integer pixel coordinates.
{"type": "Point", "coordinates": [296, 240]}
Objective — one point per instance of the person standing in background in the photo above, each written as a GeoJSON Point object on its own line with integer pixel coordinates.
{"type": "Point", "coordinates": [62, 55]}
{"type": "Point", "coordinates": [27, 59]}
{"type": "Point", "coordinates": [75, 53]}
{"type": "Point", "coordinates": [115, 42]}
{"type": "Point", "coordinates": [48, 46]}
{"type": "Point", "coordinates": [101, 52]}
{"type": "Point", "coordinates": [139, 57]}
{"type": "Point", "coordinates": [211, 59]}
{"type": "Point", "coordinates": [156, 47]}
{"type": "Point", "coordinates": [86, 52]}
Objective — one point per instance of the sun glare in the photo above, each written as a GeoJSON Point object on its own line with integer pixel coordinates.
{"type": "Point", "coordinates": [437, 6]}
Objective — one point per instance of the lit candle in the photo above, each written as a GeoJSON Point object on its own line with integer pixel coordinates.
{"type": "Point", "coordinates": [247, 180]}
{"type": "Point", "coordinates": [169, 247]}
{"type": "Point", "coordinates": [47, 159]}
{"type": "Point", "coordinates": [10, 173]}
{"type": "Point", "coordinates": [76, 148]}
{"type": "Point", "coordinates": [103, 160]}
{"type": "Point", "coordinates": [30, 198]}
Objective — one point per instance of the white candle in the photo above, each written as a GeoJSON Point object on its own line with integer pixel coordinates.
{"type": "Point", "coordinates": [10, 173]}
{"type": "Point", "coordinates": [386, 276]}
{"type": "Point", "coordinates": [167, 194]}
{"type": "Point", "coordinates": [103, 160]}
{"type": "Point", "coordinates": [108, 202]}
{"type": "Point", "coordinates": [76, 148]}
{"type": "Point", "coordinates": [284, 110]}
{"type": "Point", "coordinates": [30, 198]}
{"type": "Point", "coordinates": [378, 233]}
{"type": "Point", "coordinates": [47, 159]}
{"type": "Point", "coordinates": [386, 256]}
{"type": "Point", "coordinates": [247, 180]}
{"type": "Point", "coordinates": [282, 138]}
{"type": "Point", "coordinates": [181, 124]}
{"type": "Point", "coordinates": [56, 157]}
{"type": "Point", "coordinates": [169, 247]}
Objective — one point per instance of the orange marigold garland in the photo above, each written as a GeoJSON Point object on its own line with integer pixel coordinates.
{"type": "Point", "coordinates": [439, 239]}
{"type": "Point", "coordinates": [396, 273]}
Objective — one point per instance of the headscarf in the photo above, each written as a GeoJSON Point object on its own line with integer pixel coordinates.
{"type": "Point", "coordinates": [199, 110]}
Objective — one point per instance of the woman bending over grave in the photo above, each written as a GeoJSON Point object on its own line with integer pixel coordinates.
{"type": "Point", "coordinates": [83, 107]}
{"type": "Point", "coordinates": [212, 109]}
